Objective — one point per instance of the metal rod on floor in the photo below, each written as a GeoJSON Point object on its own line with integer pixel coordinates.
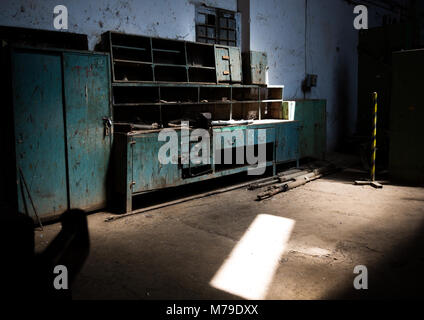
{"type": "Point", "coordinates": [296, 182]}
{"type": "Point", "coordinates": [178, 201]}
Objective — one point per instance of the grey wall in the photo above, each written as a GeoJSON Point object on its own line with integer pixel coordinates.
{"type": "Point", "coordinates": [326, 47]}
{"type": "Point", "coordinates": [315, 37]}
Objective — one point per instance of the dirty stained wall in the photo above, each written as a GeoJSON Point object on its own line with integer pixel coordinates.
{"type": "Point", "coordinates": [159, 18]}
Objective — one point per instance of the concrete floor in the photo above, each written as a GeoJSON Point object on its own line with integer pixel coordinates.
{"type": "Point", "coordinates": [175, 252]}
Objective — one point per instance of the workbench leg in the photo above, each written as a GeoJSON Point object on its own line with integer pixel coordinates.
{"type": "Point", "coordinates": [128, 202]}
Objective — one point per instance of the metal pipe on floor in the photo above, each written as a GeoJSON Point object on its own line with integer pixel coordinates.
{"type": "Point", "coordinates": [295, 182]}
{"type": "Point", "coordinates": [278, 179]}
{"type": "Point", "coordinates": [178, 201]}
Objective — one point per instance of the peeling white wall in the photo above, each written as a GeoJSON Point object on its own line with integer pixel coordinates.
{"type": "Point", "coordinates": [160, 18]}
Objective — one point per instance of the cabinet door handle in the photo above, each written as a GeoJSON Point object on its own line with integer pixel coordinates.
{"type": "Point", "coordinates": [225, 57]}
{"type": "Point", "coordinates": [226, 72]}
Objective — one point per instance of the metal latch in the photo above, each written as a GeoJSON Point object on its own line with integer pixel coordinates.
{"type": "Point", "coordinates": [108, 125]}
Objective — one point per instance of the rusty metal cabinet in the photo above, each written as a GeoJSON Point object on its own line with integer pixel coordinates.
{"type": "Point", "coordinates": [59, 101]}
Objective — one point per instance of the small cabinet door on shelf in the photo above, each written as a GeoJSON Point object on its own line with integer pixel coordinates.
{"type": "Point", "coordinates": [228, 64]}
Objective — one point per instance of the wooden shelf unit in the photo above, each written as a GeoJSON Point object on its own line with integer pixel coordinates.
{"type": "Point", "coordinates": [138, 101]}
{"type": "Point", "coordinates": [137, 58]}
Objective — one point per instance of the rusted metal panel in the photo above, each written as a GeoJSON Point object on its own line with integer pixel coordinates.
{"type": "Point", "coordinates": [312, 139]}
{"type": "Point", "coordinates": [87, 95]}
{"type": "Point", "coordinates": [255, 65]}
{"type": "Point", "coordinates": [147, 171]}
{"type": "Point", "coordinates": [287, 142]}
{"type": "Point", "coordinates": [39, 132]}
{"type": "Point", "coordinates": [228, 64]}
{"type": "Point", "coordinates": [222, 64]}
{"type": "Point", "coordinates": [235, 64]}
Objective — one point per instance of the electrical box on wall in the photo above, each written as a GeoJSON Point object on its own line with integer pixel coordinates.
{"type": "Point", "coordinates": [309, 82]}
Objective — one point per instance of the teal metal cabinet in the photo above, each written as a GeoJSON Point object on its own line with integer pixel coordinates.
{"type": "Point", "coordinates": [313, 129]}
{"type": "Point", "coordinates": [39, 132]}
{"type": "Point", "coordinates": [287, 142]}
{"type": "Point", "coordinates": [228, 64]}
{"type": "Point", "coordinates": [137, 168]}
{"type": "Point", "coordinates": [62, 152]}
{"type": "Point", "coordinates": [86, 88]}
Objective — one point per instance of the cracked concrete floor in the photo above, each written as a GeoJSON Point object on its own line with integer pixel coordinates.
{"type": "Point", "coordinates": [173, 253]}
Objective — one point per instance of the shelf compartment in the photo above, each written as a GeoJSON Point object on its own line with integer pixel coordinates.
{"type": "Point", "coordinates": [272, 93]}
{"type": "Point", "coordinates": [131, 43]}
{"type": "Point", "coordinates": [168, 51]}
{"type": "Point", "coordinates": [143, 115]}
{"type": "Point", "coordinates": [190, 113]}
{"type": "Point", "coordinates": [221, 112]}
{"type": "Point", "coordinates": [132, 71]}
{"type": "Point", "coordinates": [215, 94]}
{"type": "Point", "coordinates": [170, 74]}
{"type": "Point", "coordinates": [135, 95]}
{"type": "Point", "coordinates": [272, 110]}
{"type": "Point", "coordinates": [200, 55]}
{"type": "Point", "coordinates": [245, 94]}
{"type": "Point", "coordinates": [201, 74]}
{"type": "Point", "coordinates": [245, 111]}
{"type": "Point", "coordinates": [172, 95]}
{"type": "Point", "coordinates": [132, 54]}
{"type": "Point", "coordinates": [128, 40]}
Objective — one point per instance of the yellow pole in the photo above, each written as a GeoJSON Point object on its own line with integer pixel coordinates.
{"type": "Point", "coordinates": [374, 137]}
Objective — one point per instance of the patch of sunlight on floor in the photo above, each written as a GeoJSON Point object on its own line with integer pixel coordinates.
{"type": "Point", "coordinates": [250, 268]}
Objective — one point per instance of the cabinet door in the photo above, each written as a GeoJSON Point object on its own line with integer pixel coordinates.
{"type": "Point", "coordinates": [39, 132]}
{"type": "Point", "coordinates": [287, 142]}
{"type": "Point", "coordinates": [235, 64]}
{"type": "Point", "coordinates": [312, 114]}
{"type": "Point", "coordinates": [86, 80]}
{"type": "Point", "coordinates": [222, 59]}
{"type": "Point", "coordinates": [147, 171]}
